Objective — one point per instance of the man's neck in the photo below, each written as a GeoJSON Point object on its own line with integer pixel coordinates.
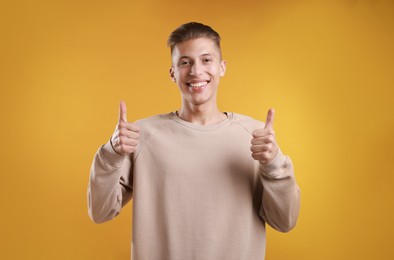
{"type": "Point", "coordinates": [201, 115]}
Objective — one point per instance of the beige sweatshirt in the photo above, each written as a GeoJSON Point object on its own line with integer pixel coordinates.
{"type": "Point", "coordinates": [197, 192]}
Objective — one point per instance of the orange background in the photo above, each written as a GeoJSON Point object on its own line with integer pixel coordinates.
{"type": "Point", "coordinates": [326, 67]}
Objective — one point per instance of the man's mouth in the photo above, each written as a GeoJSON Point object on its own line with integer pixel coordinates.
{"type": "Point", "coordinates": [198, 84]}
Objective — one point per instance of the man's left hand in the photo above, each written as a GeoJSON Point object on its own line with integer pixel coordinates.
{"type": "Point", "coordinates": [264, 147]}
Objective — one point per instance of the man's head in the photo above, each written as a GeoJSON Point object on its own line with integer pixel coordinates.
{"type": "Point", "coordinates": [197, 63]}
{"type": "Point", "coordinates": [191, 31]}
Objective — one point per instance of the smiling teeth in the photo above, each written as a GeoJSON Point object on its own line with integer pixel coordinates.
{"type": "Point", "coordinates": [198, 85]}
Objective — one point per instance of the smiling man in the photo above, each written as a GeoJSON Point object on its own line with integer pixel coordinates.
{"type": "Point", "coordinates": [197, 67]}
{"type": "Point", "coordinates": [204, 183]}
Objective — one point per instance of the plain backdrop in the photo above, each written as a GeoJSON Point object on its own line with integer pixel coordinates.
{"type": "Point", "coordinates": [327, 67]}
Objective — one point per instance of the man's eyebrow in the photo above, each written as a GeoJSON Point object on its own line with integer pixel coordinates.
{"type": "Point", "coordinates": [184, 57]}
{"type": "Point", "coordinates": [188, 57]}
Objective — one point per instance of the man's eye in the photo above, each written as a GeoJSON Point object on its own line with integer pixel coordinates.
{"type": "Point", "coordinates": [207, 60]}
{"type": "Point", "coordinates": [182, 63]}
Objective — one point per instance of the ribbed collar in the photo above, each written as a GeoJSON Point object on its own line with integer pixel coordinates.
{"type": "Point", "coordinates": [198, 127]}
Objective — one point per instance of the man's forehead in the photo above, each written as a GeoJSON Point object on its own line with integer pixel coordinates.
{"type": "Point", "coordinates": [196, 48]}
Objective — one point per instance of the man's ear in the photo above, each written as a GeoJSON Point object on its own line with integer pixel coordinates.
{"type": "Point", "coordinates": [172, 74]}
{"type": "Point", "coordinates": [223, 65]}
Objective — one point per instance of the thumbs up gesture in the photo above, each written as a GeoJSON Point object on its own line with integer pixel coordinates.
{"type": "Point", "coordinates": [126, 135]}
{"type": "Point", "coordinates": [264, 147]}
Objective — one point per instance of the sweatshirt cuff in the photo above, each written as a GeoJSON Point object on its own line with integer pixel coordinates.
{"type": "Point", "coordinates": [111, 156]}
{"type": "Point", "coordinates": [278, 162]}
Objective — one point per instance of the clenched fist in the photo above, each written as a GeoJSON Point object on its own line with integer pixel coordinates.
{"type": "Point", "coordinates": [126, 135]}
{"type": "Point", "coordinates": [264, 147]}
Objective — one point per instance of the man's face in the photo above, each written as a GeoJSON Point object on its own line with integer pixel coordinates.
{"type": "Point", "coordinates": [196, 68]}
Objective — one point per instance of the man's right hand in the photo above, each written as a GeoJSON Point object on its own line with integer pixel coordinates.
{"type": "Point", "coordinates": [126, 135]}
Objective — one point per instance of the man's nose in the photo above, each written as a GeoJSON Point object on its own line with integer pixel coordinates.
{"type": "Point", "coordinates": [196, 69]}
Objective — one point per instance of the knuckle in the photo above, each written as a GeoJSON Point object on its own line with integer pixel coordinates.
{"type": "Point", "coordinates": [122, 140]}
{"type": "Point", "coordinates": [136, 128]}
{"type": "Point", "coordinates": [256, 133]}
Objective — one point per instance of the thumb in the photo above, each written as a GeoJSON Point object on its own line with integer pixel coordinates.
{"type": "Point", "coordinates": [270, 118]}
{"type": "Point", "coordinates": [122, 112]}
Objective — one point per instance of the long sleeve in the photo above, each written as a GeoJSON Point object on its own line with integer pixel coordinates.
{"type": "Point", "coordinates": [110, 184]}
{"type": "Point", "coordinates": [281, 194]}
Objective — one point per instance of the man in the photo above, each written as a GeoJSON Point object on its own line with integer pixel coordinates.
{"type": "Point", "coordinates": [203, 182]}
